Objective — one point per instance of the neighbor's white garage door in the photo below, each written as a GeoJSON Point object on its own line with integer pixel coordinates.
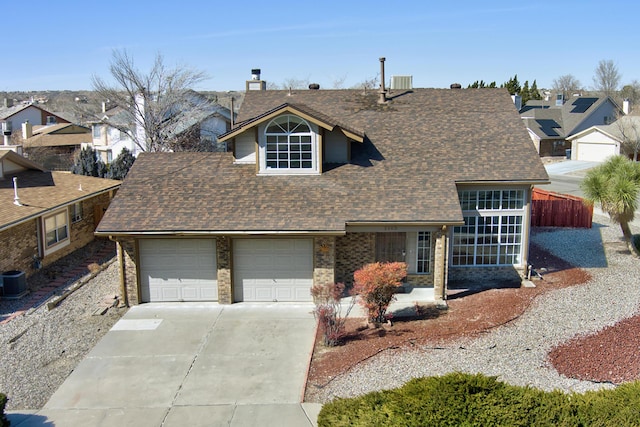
{"type": "Point", "coordinates": [272, 269]}
{"type": "Point", "coordinates": [595, 152]}
{"type": "Point", "coordinates": [178, 270]}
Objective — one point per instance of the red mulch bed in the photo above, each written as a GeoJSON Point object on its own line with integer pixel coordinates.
{"type": "Point", "coordinates": [469, 313]}
{"type": "Point", "coordinates": [611, 355]}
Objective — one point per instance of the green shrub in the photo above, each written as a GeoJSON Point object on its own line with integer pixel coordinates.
{"type": "Point", "coordinates": [477, 400]}
{"type": "Point", "coordinates": [4, 422]}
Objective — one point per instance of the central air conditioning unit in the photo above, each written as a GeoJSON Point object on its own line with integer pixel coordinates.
{"type": "Point", "coordinates": [402, 82]}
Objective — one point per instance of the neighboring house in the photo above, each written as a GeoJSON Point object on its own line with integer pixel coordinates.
{"type": "Point", "coordinates": [53, 214]}
{"type": "Point", "coordinates": [597, 143]}
{"type": "Point", "coordinates": [205, 124]}
{"type": "Point", "coordinates": [13, 116]}
{"type": "Point", "coordinates": [318, 183]}
{"type": "Point", "coordinates": [54, 146]}
{"type": "Point", "coordinates": [551, 124]}
{"type": "Point", "coordinates": [109, 141]}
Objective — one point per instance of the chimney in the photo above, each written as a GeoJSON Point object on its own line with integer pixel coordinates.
{"type": "Point", "coordinates": [8, 102]}
{"type": "Point", "coordinates": [383, 91]}
{"type": "Point", "coordinates": [27, 130]}
{"type": "Point", "coordinates": [6, 132]}
{"type": "Point", "coordinates": [104, 106]}
{"type": "Point", "coordinates": [626, 106]}
{"type": "Point", "coordinates": [255, 83]}
{"type": "Point", "coordinates": [517, 101]}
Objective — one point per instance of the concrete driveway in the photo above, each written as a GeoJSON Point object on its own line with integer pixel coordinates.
{"type": "Point", "coordinates": [191, 364]}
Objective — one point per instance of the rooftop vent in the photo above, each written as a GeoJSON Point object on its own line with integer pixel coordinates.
{"type": "Point", "coordinates": [455, 86]}
{"type": "Point", "coordinates": [314, 86]}
{"type": "Point", "coordinates": [255, 74]}
{"type": "Point", "coordinates": [402, 82]}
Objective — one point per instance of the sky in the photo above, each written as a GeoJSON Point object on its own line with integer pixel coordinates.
{"type": "Point", "coordinates": [332, 43]}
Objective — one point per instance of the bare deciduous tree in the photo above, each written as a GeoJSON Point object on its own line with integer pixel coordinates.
{"type": "Point", "coordinates": [628, 128]}
{"type": "Point", "coordinates": [160, 103]}
{"type": "Point", "coordinates": [606, 78]}
{"type": "Point", "coordinates": [567, 84]}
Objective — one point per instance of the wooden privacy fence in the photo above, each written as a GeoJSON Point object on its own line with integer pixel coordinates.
{"type": "Point", "coordinates": [549, 209]}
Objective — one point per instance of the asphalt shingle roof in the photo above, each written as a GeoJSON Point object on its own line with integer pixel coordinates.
{"type": "Point", "coordinates": [40, 191]}
{"type": "Point", "coordinates": [417, 147]}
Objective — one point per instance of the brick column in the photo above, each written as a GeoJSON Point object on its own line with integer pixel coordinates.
{"type": "Point", "coordinates": [223, 262]}
{"type": "Point", "coordinates": [324, 254]}
{"type": "Point", "coordinates": [128, 271]}
{"type": "Point", "coordinates": [439, 264]}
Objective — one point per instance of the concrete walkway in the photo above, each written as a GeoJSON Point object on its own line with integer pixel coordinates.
{"type": "Point", "coordinates": [191, 364]}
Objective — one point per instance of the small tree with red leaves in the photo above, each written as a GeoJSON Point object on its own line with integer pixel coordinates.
{"type": "Point", "coordinates": [376, 285]}
{"type": "Point", "coordinates": [328, 311]}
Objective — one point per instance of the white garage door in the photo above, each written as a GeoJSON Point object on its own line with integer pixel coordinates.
{"type": "Point", "coordinates": [595, 152]}
{"type": "Point", "coordinates": [272, 269]}
{"type": "Point", "coordinates": [178, 270]}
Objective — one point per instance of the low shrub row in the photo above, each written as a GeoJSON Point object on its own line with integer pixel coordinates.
{"type": "Point", "coordinates": [459, 399]}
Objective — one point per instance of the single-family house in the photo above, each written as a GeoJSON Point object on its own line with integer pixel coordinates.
{"type": "Point", "coordinates": [46, 215]}
{"type": "Point", "coordinates": [13, 116]}
{"type": "Point", "coordinates": [317, 183]}
{"type": "Point", "coordinates": [54, 146]}
{"type": "Point", "coordinates": [119, 129]}
{"type": "Point", "coordinates": [597, 143]}
{"type": "Point", "coordinates": [550, 124]}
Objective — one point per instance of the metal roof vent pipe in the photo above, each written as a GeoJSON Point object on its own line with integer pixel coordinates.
{"type": "Point", "coordinates": [16, 199]}
{"type": "Point", "coordinates": [383, 91]}
{"type": "Point", "coordinates": [255, 74]}
{"type": "Point", "coordinates": [314, 86]}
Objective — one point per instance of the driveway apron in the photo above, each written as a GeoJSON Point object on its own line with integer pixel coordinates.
{"type": "Point", "coordinates": [176, 364]}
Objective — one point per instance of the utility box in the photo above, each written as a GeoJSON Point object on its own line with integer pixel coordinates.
{"type": "Point", "coordinates": [14, 284]}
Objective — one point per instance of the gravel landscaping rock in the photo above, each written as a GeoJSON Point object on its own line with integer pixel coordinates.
{"type": "Point", "coordinates": [40, 348]}
{"type": "Point", "coordinates": [518, 351]}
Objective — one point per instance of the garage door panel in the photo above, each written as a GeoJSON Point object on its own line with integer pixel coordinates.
{"type": "Point", "coordinates": [178, 270]}
{"type": "Point", "coordinates": [273, 269]}
{"type": "Point", "coordinates": [595, 152]}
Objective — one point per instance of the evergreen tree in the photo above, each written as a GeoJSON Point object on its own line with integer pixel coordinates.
{"type": "Point", "coordinates": [512, 85]}
{"type": "Point", "coordinates": [534, 93]}
{"type": "Point", "coordinates": [524, 93]}
{"type": "Point", "coordinates": [87, 163]}
{"type": "Point", "coordinates": [492, 84]}
{"type": "Point", "coordinates": [119, 168]}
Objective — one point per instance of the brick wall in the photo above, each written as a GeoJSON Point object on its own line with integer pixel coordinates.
{"type": "Point", "coordinates": [223, 262]}
{"type": "Point", "coordinates": [484, 275]}
{"type": "Point", "coordinates": [353, 250]}
{"type": "Point", "coordinates": [18, 246]}
{"type": "Point", "coordinates": [324, 250]}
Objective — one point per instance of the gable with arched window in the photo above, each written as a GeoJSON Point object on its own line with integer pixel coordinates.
{"type": "Point", "coordinates": [289, 145]}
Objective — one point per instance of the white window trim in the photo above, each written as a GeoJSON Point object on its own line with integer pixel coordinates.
{"type": "Point", "coordinates": [60, 244]}
{"type": "Point", "coordinates": [430, 252]}
{"type": "Point", "coordinates": [73, 213]}
{"type": "Point", "coordinates": [315, 154]}
{"type": "Point", "coordinates": [490, 212]}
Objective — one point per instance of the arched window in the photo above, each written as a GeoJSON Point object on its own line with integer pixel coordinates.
{"type": "Point", "coordinates": [289, 144]}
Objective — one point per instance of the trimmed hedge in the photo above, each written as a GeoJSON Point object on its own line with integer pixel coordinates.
{"type": "Point", "coordinates": [459, 399]}
{"type": "Point", "coordinates": [4, 422]}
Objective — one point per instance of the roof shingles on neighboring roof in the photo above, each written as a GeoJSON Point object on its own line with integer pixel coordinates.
{"type": "Point", "coordinates": [40, 191]}
{"type": "Point", "coordinates": [416, 147]}
{"type": "Point", "coordinates": [559, 122]}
